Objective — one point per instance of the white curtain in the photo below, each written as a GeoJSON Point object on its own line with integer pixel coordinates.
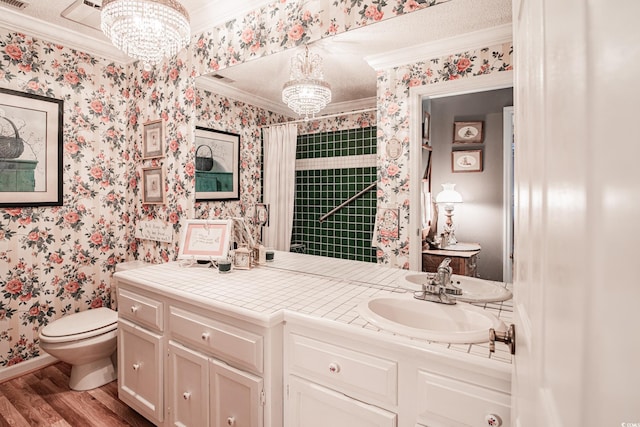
{"type": "Point", "coordinates": [279, 183]}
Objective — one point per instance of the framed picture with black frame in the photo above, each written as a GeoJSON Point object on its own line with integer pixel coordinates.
{"type": "Point", "coordinates": [30, 150]}
{"type": "Point", "coordinates": [217, 165]}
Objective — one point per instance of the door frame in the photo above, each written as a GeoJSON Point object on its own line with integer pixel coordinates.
{"type": "Point", "coordinates": [486, 82]}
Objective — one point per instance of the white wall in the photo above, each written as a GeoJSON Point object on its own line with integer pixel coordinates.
{"type": "Point", "coordinates": [479, 219]}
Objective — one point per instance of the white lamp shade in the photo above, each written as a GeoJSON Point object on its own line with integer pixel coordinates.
{"type": "Point", "coordinates": [448, 194]}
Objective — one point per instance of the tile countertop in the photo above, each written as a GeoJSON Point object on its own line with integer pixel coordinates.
{"type": "Point", "coordinates": [314, 286]}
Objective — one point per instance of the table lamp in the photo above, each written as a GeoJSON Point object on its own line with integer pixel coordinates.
{"type": "Point", "coordinates": [448, 196]}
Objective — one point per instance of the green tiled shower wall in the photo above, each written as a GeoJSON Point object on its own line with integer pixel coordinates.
{"type": "Point", "coordinates": [325, 182]}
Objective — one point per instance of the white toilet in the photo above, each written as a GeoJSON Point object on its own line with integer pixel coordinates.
{"type": "Point", "coordinates": [85, 340]}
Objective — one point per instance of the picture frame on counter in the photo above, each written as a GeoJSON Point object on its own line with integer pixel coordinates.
{"type": "Point", "coordinates": [153, 181]}
{"type": "Point", "coordinates": [153, 135]}
{"type": "Point", "coordinates": [468, 132]}
{"type": "Point", "coordinates": [205, 239]}
{"type": "Point", "coordinates": [31, 143]}
{"type": "Point", "coordinates": [466, 161]}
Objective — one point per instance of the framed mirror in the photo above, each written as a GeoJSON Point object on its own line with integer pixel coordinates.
{"type": "Point", "coordinates": [217, 165]}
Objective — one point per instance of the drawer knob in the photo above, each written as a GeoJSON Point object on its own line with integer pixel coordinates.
{"type": "Point", "coordinates": [186, 395]}
{"type": "Point", "coordinates": [231, 421]}
{"type": "Point", "coordinates": [493, 420]}
{"type": "Point", "coordinates": [134, 308]}
{"type": "Point", "coordinates": [334, 368]}
{"type": "Point", "coordinates": [205, 336]}
{"type": "Point", "coordinates": [136, 366]}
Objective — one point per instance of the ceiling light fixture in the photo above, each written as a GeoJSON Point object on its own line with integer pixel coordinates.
{"type": "Point", "coordinates": [306, 92]}
{"type": "Point", "coordinates": [147, 30]}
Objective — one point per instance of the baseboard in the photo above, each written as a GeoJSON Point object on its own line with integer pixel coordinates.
{"type": "Point", "coordinates": [10, 372]}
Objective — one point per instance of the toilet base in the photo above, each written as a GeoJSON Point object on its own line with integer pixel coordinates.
{"type": "Point", "coordinates": [92, 375]}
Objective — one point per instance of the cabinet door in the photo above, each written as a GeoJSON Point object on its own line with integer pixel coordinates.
{"type": "Point", "coordinates": [236, 397]}
{"type": "Point", "coordinates": [188, 387]}
{"type": "Point", "coordinates": [311, 405]}
{"type": "Point", "coordinates": [140, 370]}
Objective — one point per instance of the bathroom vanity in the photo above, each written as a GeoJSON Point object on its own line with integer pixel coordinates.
{"type": "Point", "coordinates": [284, 344]}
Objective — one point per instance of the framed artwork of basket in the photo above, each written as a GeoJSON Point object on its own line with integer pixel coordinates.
{"type": "Point", "coordinates": [217, 165]}
{"type": "Point", "coordinates": [30, 149]}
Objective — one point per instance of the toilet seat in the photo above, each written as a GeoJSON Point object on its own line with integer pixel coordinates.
{"type": "Point", "coordinates": [79, 326]}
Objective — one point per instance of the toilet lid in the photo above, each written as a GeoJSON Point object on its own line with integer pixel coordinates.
{"type": "Point", "coordinates": [99, 320]}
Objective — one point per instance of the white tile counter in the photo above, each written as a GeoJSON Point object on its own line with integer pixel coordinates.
{"type": "Point", "coordinates": [314, 286]}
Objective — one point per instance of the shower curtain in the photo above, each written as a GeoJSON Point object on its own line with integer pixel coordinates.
{"type": "Point", "coordinates": [279, 183]}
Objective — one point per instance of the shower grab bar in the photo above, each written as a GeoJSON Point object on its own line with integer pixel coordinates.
{"type": "Point", "coordinates": [346, 202]}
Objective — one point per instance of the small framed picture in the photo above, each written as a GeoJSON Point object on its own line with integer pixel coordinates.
{"type": "Point", "coordinates": [426, 127]}
{"type": "Point", "coordinates": [153, 186]}
{"type": "Point", "coordinates": [466, 161]}
{"type": "Point", "coordinates": [205, 240]}
{"type": "Point", "coordinates": [153, 139]}
{"type": "Point", "coordinates": [468, 132]}
{"type": "Point", "coordinates": [262, 214]}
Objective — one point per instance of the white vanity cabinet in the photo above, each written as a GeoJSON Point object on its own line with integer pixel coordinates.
{"type": "Point", "coordinates": [335, 375]}
{"type": "Point", "coordinates": [330, 383]}
{"type": "Point", "coordinates": [140, 351]}
{"type": "Point", "coordinates": [182, 364]}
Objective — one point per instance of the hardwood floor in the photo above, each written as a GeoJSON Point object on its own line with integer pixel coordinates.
{"type": "Point", "coordinates": [43, 398]}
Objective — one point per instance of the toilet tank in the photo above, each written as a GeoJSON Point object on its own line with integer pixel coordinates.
{"type": "Point", "coordinates": [130, 265]}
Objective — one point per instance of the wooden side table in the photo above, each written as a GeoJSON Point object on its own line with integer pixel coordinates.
{"type": "Point", "coordinates": [462, 262]}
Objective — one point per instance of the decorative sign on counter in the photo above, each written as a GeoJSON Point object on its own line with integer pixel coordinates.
{"type": "Point", "coordinates": [205, 239]}
{"type": "Point", "coordinates": [155, 230]}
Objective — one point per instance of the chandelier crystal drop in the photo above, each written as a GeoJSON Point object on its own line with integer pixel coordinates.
{"type": "Point", "coordinates": [147, 30]}
{"type": "Point", "coordinates": [306, 92]}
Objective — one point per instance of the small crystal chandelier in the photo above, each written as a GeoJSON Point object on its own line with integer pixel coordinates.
{"type": "Point", "coordinates": [306, 92]}
{"type": "Point", "coordinates": [147, 30]}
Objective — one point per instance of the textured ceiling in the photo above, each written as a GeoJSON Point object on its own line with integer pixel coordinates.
{"type": "Point", "coordinates": [352, 79]}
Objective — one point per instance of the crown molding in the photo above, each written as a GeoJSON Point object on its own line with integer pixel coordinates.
{"type": "Point", "coordinates": [13, 21]}
{"type": "Point", "coordinates": [219, 88]}
{"type": "Point", "coordinates": [223, 89]}
{"type": "Point", "coordinates": [348, 106]}
{"type": "Point", "coordinates": [435, 49]}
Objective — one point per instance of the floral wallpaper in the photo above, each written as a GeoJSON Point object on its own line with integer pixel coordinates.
{"type": "Point", "coordinates": [59, 260]}
{"type": "Point", "coordinates": [285, 24]}
{"type": "Point", "coordinates": [332, 124]}
{"type": "Point", "coordinates": [393, 121]}
{"type": "Point", "coordinates": [220, 113]}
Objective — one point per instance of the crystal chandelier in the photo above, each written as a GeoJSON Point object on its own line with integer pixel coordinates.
{"type": "Point", "coordinates": [146, 30]}
{"type": "Point", "coordinates": [306, 92]}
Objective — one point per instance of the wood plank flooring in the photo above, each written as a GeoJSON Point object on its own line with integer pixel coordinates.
{"type": "Point", "coordinates": [43, 398]}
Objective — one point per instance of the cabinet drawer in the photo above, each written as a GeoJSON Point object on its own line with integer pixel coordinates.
{"type": "Point", "coordinates": [445, 402]}
{"type": "Point", "coordinates": [229, 343]}
{"type": "Point", "coordinates": [357, 374]}
{"type": "Point", "coordinates": [139, 309]}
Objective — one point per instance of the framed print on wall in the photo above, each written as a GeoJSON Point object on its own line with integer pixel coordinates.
{"type": "Point", "coordinates": [426, 127]}
{"type": "Point", "coordinates": [468, 132]}
{"type": "Point", "coordinates": [466, 161]}
{"type": "Point", "coordinates": [153, 186]}
{"type": "Point", "coordinates": [203, 239]}
{"type": "Point", "coordinates": [30, 150]}
{"type": "Point", "coordinates": [153, 139]}
{"type": "Point", "coordinates": [220, 178]}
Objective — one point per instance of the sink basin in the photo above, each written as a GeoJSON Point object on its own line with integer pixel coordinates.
{"type": "Point", "coordinates": [405, 315]}
{"type": "Point", "coordinates": [473, 289]}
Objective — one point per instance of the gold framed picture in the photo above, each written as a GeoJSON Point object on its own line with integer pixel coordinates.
{"type": "Point", "coordinates": [153, 139]}
{"type": "Point", "coordinates": [153, 180]}
{"type": "Point", "coordinates": [468, 132]}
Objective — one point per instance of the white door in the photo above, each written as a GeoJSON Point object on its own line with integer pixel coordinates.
{"type": "Point", "coordinates": [577, 213]}
{"type": "Point", "coordinates": [312, 405]}
{"type": "Point", "coordinates": [140, 370]}
{"type": "Point", "coordinates": [188, 387]}
{"type": "Point", "coordinates": [236, 397]}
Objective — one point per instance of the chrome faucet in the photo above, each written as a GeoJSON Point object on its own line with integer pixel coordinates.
{"type": "Point", "coordinates": [438, 287]}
